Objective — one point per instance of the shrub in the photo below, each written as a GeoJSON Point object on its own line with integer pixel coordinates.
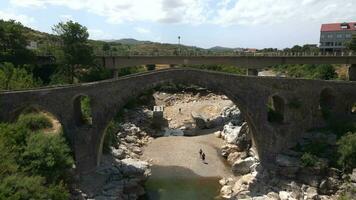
{"type": "Point", "coordinates": [48, 156]}
{"type": "Point", "coordinates": [347, 151]}
{"type": "Point", "coordinates": [12, 78]}
{"type": "Point", "coordinates": [34, 121]}
{"type": "Point", "coordinates": [20, 187]}
{"type": "Point", "coordinates": [86, 109]}
{"type": "Point", "coordinates": [309, 160]}
{"type": "Point", "coordinates": [110, 136]}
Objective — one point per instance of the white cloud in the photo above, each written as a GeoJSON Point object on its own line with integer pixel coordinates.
{"type": "Point", "coordinates": [117, 11]}
{"type": "Point", "coordinates": [142, 30]}
{"type": "Point", "coordinates": [252, 12]}
{"type": "Point", "coordinates": [98, 34]}
{"type": "Point", "coordinates": [7, 15]}
{"type": "Point", "coordinates": [222, 12]}
{"type": "Point", "coordinates": [65, 18]}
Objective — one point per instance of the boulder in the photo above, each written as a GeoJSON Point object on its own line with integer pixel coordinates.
{"type": "Point", "coordinates": [353, 176]}
{"type": "Point", "coordinates": [228, 149]}
{"type": "Point", "coordinates": [283, 195]}
{"type": "Point", "coordinates": [134, 168]}
{"type": "Point", "coordinates": [311, 193]}
{"type": "Point", "coordinates": [233, 115]}
{"type": "Point", "coordinates": [130, 139]}
{"type": "Point", "coordinates": [118, 153]}
{"type": "Point", "coordinates": [329, 186]}
{"type": "Point", "coordinates": [232, 157]}
{"type": "Point", "coordinates": [200, 121]}
{"type": "Point", "coordinates": [242, 166]}
{"type": "Point", "coordinates": [226, 192]}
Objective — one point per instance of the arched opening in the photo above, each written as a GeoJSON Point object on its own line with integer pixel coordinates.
{"type": "Point", "coordinates": [82, 110]}
{"type": "Point", "coordinates": [179, 111]}
{"type": "Point", "coordinates": [275, 106]}
{"type": "Point", "coordinates": [326, 102]}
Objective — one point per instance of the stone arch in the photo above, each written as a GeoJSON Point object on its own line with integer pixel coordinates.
{"type": "Point", "coordinates": [327, 101]}
{"type": "Point", "coordinates": [237, 99]}
{"type": "Point", "coordinates": [276, 109]}
{"type": "Point", "coordinates": [80, 115]}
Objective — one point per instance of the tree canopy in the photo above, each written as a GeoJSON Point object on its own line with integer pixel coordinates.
{"type": "Point", "coordinates": [13, 43]}
{"type": "Point", "coordinates": [76, 49]}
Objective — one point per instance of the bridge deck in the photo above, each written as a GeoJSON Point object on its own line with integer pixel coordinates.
{"type": "Point", "coordinates": [251, 62]}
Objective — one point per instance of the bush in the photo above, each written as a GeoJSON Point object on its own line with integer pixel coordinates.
{"type": "Point", "coordinates": [309, 160]}
{"type": "Point", "coordinates": [20, 187]}
{"type": "Point", "coordinates": [34, 121]}
{"type": "Point", "coordinates": [110, 136]}
{"type": "Point", "coordinates": [324, 72]}
{"type": "Point", "coordinates": [347, 151]}
{"type": "Point", "coordinates": [95, 74]}
{"type": "Point", "coordinates": [86, 109]}
{"type": "Point", "coordinates": [12, 78]}
{"type": "Point", "coordinates": [48, 156]}
{"type": "Point", "coordinates": [33, 165]}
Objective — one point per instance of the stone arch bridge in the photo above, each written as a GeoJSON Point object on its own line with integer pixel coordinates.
{"type": "Point", "coordinates": [249, 93]}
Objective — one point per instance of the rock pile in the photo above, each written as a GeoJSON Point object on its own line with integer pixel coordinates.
{"type": "Point", "coordinates": [292, 179]}
{"type": "Point", "coordinates": [229, 114]}
{"type": "Point", "coordinates": [131, 139]}
{"type": "Point", "coordinates": [122, 180]}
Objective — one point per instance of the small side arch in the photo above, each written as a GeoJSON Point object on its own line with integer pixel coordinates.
{"type": "Point", "coordinates": [327, 102]}
{"type": "Point", "coordinates": [275, 109]}
{"type": "Point", "coordinates": [82, 110]}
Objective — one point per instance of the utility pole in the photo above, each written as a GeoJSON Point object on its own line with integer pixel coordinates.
{"type": "Point", "coordinates": [178, 45]}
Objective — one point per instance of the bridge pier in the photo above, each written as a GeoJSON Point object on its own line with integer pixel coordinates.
{"type": "Point", "coordinates": [352, 72]}
{"type": "Point", "coordinates": [252, 72]}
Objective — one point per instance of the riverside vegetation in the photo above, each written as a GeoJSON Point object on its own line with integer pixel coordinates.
{"type": "Point", "coordinates": [37, 164]}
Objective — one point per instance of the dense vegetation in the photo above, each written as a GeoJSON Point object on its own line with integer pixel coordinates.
{"type": "Point", "coordinates": [325, 72]}
{"type": "Point", "coordinates": [34, 165]}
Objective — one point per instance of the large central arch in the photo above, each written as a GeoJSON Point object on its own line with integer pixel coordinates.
{"type": "Point", "coordinates": [250, 94]}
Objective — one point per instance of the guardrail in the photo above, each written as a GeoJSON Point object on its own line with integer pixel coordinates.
{"type": "Point", "coordinates": [269, 54]}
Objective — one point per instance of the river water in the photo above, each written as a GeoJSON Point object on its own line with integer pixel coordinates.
{"type": "Point", "coordinates": [178, 173]}
{"type": "Point", "coordinates": [182, 188]}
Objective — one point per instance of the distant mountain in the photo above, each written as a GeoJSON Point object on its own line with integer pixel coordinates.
{"type": "Point", "coordinates": [129, 41]}
{"type": "Point", "coordinates": [219, 48]}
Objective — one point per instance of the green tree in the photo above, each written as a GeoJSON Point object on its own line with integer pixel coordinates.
{"type": "Point", "coordinates": [106, 47]}
{"type": "Point", "coordinates": [12, 78]}
{"type": "Point", "coordinates": [48, 156]}
{"type": "Point", "coordinates": [13, 42]}
{"type": "Point", "coordinates": [77, 51]}
{"type": "Point", "coordinates": [347, 151]}
{"type": "Point", "coordinates": [21, 187]}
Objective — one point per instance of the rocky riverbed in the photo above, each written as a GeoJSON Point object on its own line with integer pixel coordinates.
{"type": "Point", "coordinates": [218, 127]}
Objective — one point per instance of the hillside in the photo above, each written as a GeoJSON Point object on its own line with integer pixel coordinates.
{"type": "Point", "coordinates": [48, 43]}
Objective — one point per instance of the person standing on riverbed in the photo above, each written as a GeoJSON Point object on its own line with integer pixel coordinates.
{"type": "Point", "coordinates": [203, 157]}
{"type": "Point", "coordinates": [200, 152]}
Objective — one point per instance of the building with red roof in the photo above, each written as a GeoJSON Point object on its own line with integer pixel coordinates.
{"type": "Point", "coordinates": [334, 36]}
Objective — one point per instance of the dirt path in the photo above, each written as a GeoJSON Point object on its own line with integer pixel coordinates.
{"type": "Point", "coordinates": [179, 155]}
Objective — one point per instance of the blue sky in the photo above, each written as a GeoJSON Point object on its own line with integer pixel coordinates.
{"type": "Point", "coordinates": [204, 23]}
